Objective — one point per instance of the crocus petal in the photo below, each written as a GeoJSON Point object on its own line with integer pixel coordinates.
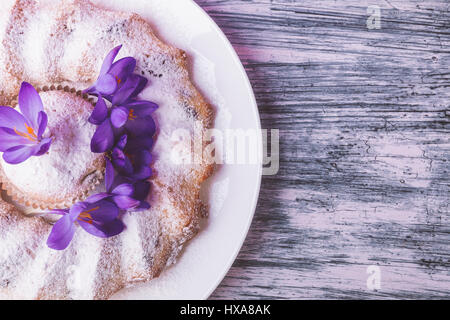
{"type": "Point", "coordinates": [11, 118]}
{"type": "Point", "coordinates": [139, 143]}
{"type": "Point", "coordinates": [20, 154]}
{"type": "Point", "coordinates": [119, 132]}
{"type": "Point", "coordinates": [108, 97]}
{"type": "Point", "coordinates": [126, 90]}
{"type": "Point", "coordinates": [117, 155]}
{"type": "Point", "coordinates": [141, 86]}
{"type": "Point", "coordinates": [109, 59]}
{"type": "Point", "coordinates": [119, 116]}
{"type": "Point", "coordinates": [91, 90]}
{"type": "Point", "coordinates": [141, 190]}
{"type": "Point", "coordinates": [30, 104]}
{"type": "Point", "coordinates": [76, 210]}
{"type": "Point", "coordinates": [100, 112]}
{"type": "Point", "coordinates": [141, 126]}
{"type": "Point", "coordinates": [105, 230]}
{"type": "Point", "coordinates": [143, 205]}
{"type": "Point", "coordinates": [142, 108]}
{"type": "Point", "coordinates": [42, 122]}
{"type": "Point", "coordinates": [109, 175]}
{"type": "Point", "coordinates": [122, 143]}
{"type": "Point", "coordinates": [143, 158]}
{"type": "Point", "coordinates": [121, 162]}
{"type": "Point", "coordinates": [142, 173]}
{"type": "Point", "coordinates": [120, 179]}
{"type": "Point", "coordinates": [122, 68]}
{"type": "Point", "coordinates": [141, 165]}
{"type": "Point", "coordinates": [125, 202]}
{"type": "Point", "coordinates": [61, 234]}
{"type": "Point", "coordinates": [103, 211]}
{"type": "Point", "coordinates": [44, 145]}
{"type": "Point", "coordinates": [103, 139]}
{"type": "Point", "coordinates": [61, 212]}
{"type": "Point", "coordinates": [125, 189]}
{"type": "Point", "coordinates": [106, 84]}
{"type": "Point", "coordinates": [9, 139]}
{"type": "Point", "coordinates": [97, 197]}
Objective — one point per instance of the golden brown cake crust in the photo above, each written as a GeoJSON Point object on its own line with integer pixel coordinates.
{"type": "Point", "coordinates": [78, 37]}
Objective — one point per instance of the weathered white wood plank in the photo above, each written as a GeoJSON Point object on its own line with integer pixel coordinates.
{"type": "Point", "coordinates": [365, 147]}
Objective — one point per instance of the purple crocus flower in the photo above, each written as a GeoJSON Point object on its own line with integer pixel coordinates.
{"type": "Point", "coordinates": [132, 157]}
{"type": "Point", "coordinates": [122, 191]}
{"type": "Point", "coordinates": [141, 192]}
{"type": "Point", "coordinates": [98, 218]}
{"type": "Point", "coordinates": [128, 114]}
{"type": "Point", "coordinates": [117, 84]}
{"type": "Point", "coordinates": [131, 87]}
{"type": "Point", "coordinates": [112, 74]}
{"type": "Point", "coordinates": [21, 133]}
{"type": "Point", "coordinates": [133, 115]}
{"type": "Point", "coordinates": [103, 138]}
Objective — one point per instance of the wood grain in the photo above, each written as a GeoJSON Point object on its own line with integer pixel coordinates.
{"type": "Point", "coordinates": [364, 120]}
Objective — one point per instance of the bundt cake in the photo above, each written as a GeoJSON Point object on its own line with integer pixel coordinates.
{"type": "Point", "coordinates": [63, 44]}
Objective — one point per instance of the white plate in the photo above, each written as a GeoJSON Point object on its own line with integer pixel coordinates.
{"type": "Point", "coordinates": [232, 192]}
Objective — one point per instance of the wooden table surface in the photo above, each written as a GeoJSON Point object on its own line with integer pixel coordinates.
{"type": "Point", "coordinates": [364, 117]}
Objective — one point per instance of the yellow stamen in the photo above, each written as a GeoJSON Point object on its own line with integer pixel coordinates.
{"type": "Point", "coordinates": [87, 215]}
{"type": "Point", "coordinates": [131, 115]}
{"type": "Point", "coordinates": [31, 135]}
{"type": "Point", "coordinates": [31, 131]}
{"type": "Point", "coordinates": [118, 80]}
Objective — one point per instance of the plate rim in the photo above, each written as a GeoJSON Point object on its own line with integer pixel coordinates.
{"type": "Point", "coordinates": [255, 110]}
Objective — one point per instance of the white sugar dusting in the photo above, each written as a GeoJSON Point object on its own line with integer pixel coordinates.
{"type": "Point", "coordinates": [131, 242]}
{"type": "Point", "coordinates": [34, 47]}
{"type": "Point", "coordinates": [4, 16]}
{"type": "Point", "coordinates": [81, 274]}
{"type": "Point", "coordinates": [14, 239]}
{"type": "Point", "coordinates": [32, 278]}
